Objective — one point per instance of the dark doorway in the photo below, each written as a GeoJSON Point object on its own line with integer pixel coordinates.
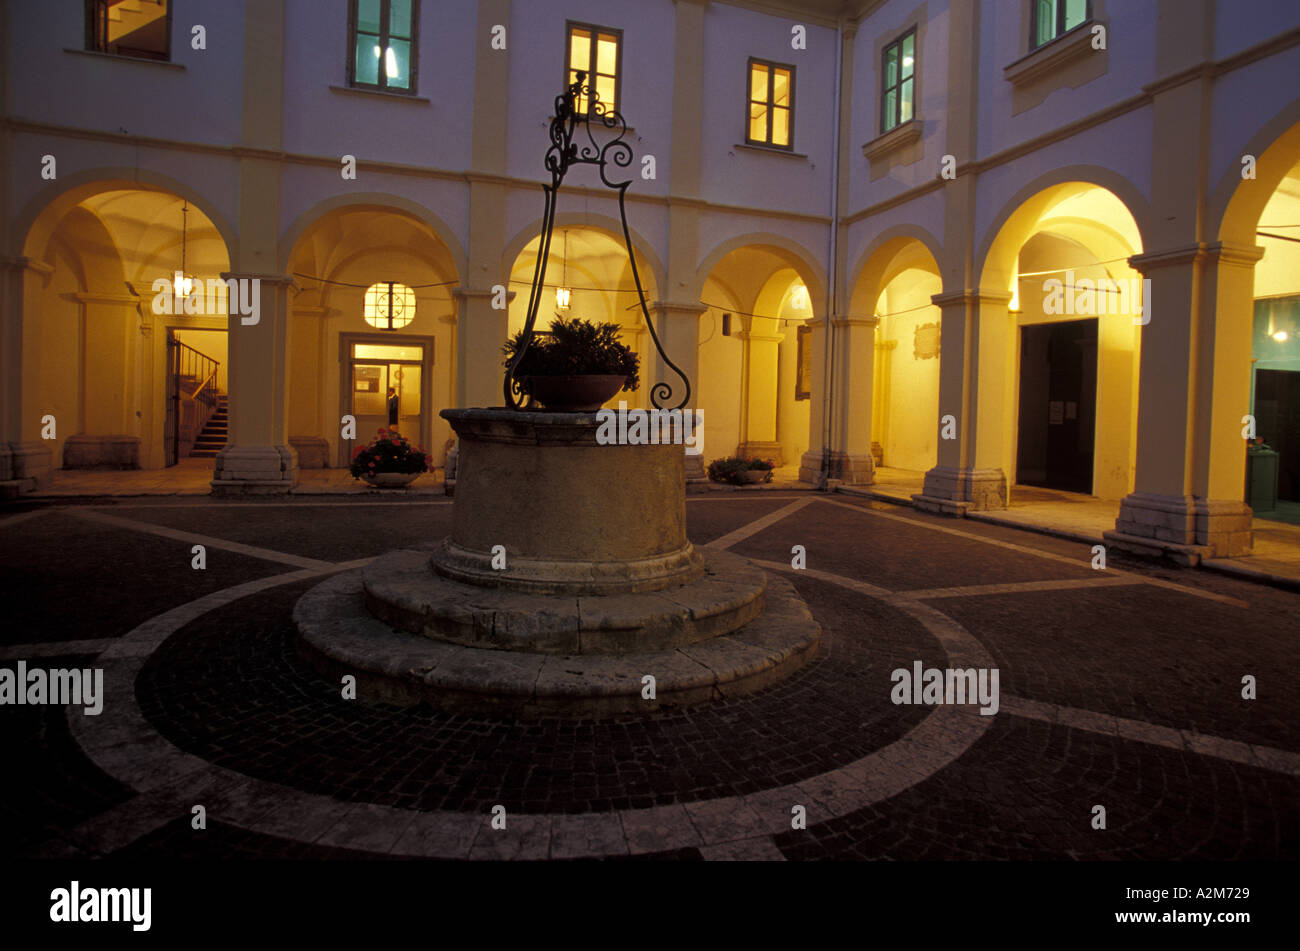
{"type": "Point", "coordinates": [1058, 405]}
{"type": "Point", "coordinates": [1277, 421]}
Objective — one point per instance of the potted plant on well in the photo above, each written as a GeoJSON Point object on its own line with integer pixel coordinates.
{"type": "Point", "coordinates": [737, 470]}
{"type": "Point", "coordinates": [389, 460]}
{"type": "Point", "coordinates": [576, 366]}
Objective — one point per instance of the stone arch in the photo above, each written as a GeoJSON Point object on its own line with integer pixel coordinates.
{"type": "Point", "coordinates": [40, 217]}
{"type": "Point", "coordinates": [1234, 209]}
{"type": "Point", "coordinates": [795, 254]}
{"type": "Point", "coordinates": [893, 250]}
{"type": "Point", "coordinates": [597, 222]}
{"type": "Point", "coordinates": [1016, 221]}
{"type": "Point", "coordinates": [373, 201]}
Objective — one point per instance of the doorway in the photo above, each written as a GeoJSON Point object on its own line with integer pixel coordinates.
{"type": "Point", "coordinates": [372, 371]}
{"type": "Point", "coordinates": [1277, 421]}
{"type": "Point", "coordinates": [1058, 405]}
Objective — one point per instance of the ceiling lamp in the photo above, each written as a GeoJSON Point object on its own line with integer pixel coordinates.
{"type": "Point", "coordinates": [562, 295]}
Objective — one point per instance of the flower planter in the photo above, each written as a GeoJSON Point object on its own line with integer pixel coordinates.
{"type": "Point", "coordinates": [754, 476]}
{"type": "Point", "coordinates": [390, 480]}
{"type": "Point", "coordinates": [583, 393]}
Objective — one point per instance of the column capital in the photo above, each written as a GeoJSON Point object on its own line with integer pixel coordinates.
{"type": "Point", "coordinates": [1242, 255]}
{"type": "Point", "coordinates": [272, 279]}
{"type": "Point", "coordinates": [850, 320]}
{"type": "Point", "coordinates": [22, 262]}
{"type": "Point", "coordinates": [682, 308]}
{"type": "Point", "coordinates": [460, 292]}
{"type": "Point", "coordinates": [974, 296]}
{"type": "Point", "coordinates": [90, 297]}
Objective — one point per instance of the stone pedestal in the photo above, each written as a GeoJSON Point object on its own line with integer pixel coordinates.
{"type": "Point", "coordinates": [951, 490]}
{"type": "Point", "coordinates": [567, 515]}
{"type": "Point", "coordinates": [255, 470]}
{"type": "Point", "coordinates": [101, 452]}
{"type": "Point", "coordinates": [1181, 528]}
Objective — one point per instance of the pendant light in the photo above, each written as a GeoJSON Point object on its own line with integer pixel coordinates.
{"type": "Point", "coordinates": [562, 292]}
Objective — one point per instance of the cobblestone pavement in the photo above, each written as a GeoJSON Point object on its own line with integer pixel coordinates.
{"type": "Point", "coordinates": [1119, 687]}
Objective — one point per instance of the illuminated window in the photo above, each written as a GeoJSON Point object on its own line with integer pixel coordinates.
{"type": "Point", "coordinates": [1053, 18]}
{"type": "Point", "coordinates": [389, 305]}
{"type": "Point", "coordinates": [770, 120]}
{"type": "Point", "coordinates": [382, 44]}
{"type": "Point", "coordinates": [143, 32]}
{"type": "Point", "coordinates": [598, 52]}
{"type": "Point", "coordinates": [898, 82]}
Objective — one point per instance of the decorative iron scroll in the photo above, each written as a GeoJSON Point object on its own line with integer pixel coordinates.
{"type": "Point", "coordinates": [563, 153]}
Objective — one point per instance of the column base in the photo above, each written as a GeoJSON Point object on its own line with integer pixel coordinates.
{"type": "Point", "coordinates": [313, 451]}
{"type": "Point", "coordinates": [848, 468]}
{"type": "Point", "coordinates": [1184, 529]}
{"type": "Point", "coordinates": [694, 467]}
{"type": "Point", "coordinates": [762, 450]}
{"type": "Point", "coordinates": [255, 470]}
{"type": "Point", "coordinates": [950, 490]}
{"type": "Point", "coordinates": [31, 464]}
{"type": "Point", "coordinates": [84, 451]}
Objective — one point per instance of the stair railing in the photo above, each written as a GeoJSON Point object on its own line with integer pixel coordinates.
{"type": "Point", "coordinates": [189, 364]}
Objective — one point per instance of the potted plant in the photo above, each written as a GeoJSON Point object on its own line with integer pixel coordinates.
{"type": "Point", "coordinates": [576, 366]}
{"type": "Point", "coordinates": [389, 460]}
{"type": "Point", "coordinates": [737, 470]}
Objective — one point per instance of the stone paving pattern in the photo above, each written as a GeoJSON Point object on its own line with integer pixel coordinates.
{"type": "Point", "coordinates": [230, 688]}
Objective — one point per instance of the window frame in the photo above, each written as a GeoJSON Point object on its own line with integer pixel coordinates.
{"type": "Point", "coordinates": [385, 10]}
{"type": "Point", "coordinates": [772, 67]}
{"type": "Point", "coordinates": [1060, 19]}
{"type": "Point", "coordinates": [886, 89]}
{"type": "Point", "coordinates": [589, 69]}
{"type": "Point", "coordinates": [390, 285]}
{"type": "Point", "coordinates": [91, 31]}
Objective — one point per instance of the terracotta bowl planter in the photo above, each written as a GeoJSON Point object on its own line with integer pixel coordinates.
{"type": "Point", "coordinates": [391, 480]}
{"type": "Point", "coordinates": [585, 393]}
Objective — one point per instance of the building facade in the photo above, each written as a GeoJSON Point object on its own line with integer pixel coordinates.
{"type": "Point", "coordinates": [1001, 242]}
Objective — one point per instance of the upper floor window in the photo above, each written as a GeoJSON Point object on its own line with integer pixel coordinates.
{"type": "Point", "coordinates": [140, 28]}
{"type": "Point", "coordinates": [598, 52]}
{"type": "Point", "coordinates": [382, 44]}
{"type": "Point", "coordinates": [771, 104]}
{"type": "Point", "coordinates": [1052, 18]}
{"type": "Point", "coordinates": [389, 306]}
{"type": "Point", "coordinates": [898, 82]}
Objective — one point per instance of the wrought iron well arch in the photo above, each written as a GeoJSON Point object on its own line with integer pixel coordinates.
{"type": "Point", "coordinates": [562, 154]}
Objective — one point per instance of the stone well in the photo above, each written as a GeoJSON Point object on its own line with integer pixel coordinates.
{"type": "Point", "coordinates": [566, 582]}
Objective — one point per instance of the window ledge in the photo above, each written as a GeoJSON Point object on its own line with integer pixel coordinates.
{"type": "Point", "coordinates": [1050, 57]}
{"type": "Point", "coordinates": [896, 138]}
{"type": "Point", "coordinates": [120, 58]}
{"type": "Point", "coordinates": [770, 150]}
{"type": "Point", "coordinates": [381, 93]}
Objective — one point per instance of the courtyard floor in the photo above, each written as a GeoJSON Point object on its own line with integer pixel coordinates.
{"type": "Point", "coordinates": [1119, 687]}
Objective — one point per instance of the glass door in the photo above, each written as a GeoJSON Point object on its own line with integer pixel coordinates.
{"type": "Point", "coordinates": [386, 391]}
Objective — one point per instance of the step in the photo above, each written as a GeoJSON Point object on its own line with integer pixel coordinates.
{"type": "Point", "coordinates": [338, 636]}
{"type": "Point", "coordinates": [403, 589]}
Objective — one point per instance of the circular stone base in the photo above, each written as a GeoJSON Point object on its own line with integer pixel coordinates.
{"type": "Point", "coordinates": [558, 576]}
{"type": "Point", "coordinates": [403, 589]}
{"type": "Point", "coordinates": [339, 636]}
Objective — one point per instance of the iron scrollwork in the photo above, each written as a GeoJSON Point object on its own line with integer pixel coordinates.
{"type": "Point", "coordinates": [563, 153]}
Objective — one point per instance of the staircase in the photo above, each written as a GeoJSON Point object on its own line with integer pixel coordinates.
{"type": "Point", "coordinates": [213, 437]}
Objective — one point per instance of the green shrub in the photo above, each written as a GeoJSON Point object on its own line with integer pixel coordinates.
{"type": "Point", "coordinates": [575, 347]}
